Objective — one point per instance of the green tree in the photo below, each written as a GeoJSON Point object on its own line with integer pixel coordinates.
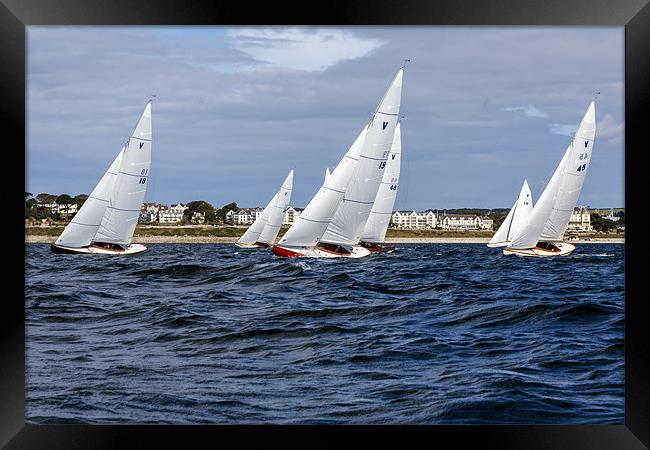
{"type": "Point", "coordinates": [221, 212]}
{"type": "Point", "coordinates": [601, 224]}
{"type": "Point", "coordinates": [199, 206]}
{"type": "Point", "coordinates": [497, 220]}
{"type": "Point", "coordinates": [64, 200]}
{"type": "Point", "coordinates": [45, 197]}
{"type": "Point", "coordinates": [79, 200]}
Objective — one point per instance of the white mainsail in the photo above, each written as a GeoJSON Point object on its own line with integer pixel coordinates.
{"type": "Point", "coordinates": [84, 225]}
{"type": "Point", "coordinates": [123, 209]}
{"type": "Point", "coordinates": [515, 218]}
{"type": "Point", "coordinates": [550, 216]}
{"type": "Point", "coordinates": [351, 216]}
{"type": "Point", "coordinates": [310, 226]}
{"type": "Point", "coordinates": [382, 208]}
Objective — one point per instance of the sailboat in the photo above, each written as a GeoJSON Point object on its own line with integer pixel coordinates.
{"type": "Point", "coordinates": [106, 221]}
{"type": "Point", "coordinates": [542, 233]}
{"type": "Point", "coordinates": [262, 233]}
{"type": "Point", "coordinates": [374, 233]}
{"type": "Point", "coordinates": [513, 221]}
{"type": "Point", "coordinates": [331, 224]}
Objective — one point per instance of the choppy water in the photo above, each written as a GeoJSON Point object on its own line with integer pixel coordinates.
{"type": "Point", "coordinates": [434, 333]}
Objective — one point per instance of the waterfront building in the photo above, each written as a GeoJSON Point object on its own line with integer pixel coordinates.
{"type": "Point", "coordinates": [580, 220]}
{"type": "Point", "coordinates": [414, 220]}
{"type": "Point", "coordinates": [291, 215]}
{"type": "Point", "coordinates": [428, 219]}
{"type": "Point", "coordinates": [172, 215]}
{"type": "Point", "coordinates": [461, 222]}
{"type": "Point", "coordinates": [61, 209]}
{"type": "Point", "coordinates": [244, 216]}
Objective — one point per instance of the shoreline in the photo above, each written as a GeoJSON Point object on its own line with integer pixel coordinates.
{"type": "Point", "coordinates": [37, 239]}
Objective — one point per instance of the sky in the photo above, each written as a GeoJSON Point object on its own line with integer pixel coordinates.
{"type": "Point", "coordinates": [236, 108]}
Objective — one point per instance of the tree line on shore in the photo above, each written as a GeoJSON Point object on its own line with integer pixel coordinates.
{"type": "Point", "coordinates": [39, 207]}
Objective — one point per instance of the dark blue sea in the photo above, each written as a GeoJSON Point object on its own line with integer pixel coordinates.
{"type": "Point", "coordinates": [430, 334]}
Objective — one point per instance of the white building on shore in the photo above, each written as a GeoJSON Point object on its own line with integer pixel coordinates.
{"type": "Point", "coordinates": [243, 216]}
{"type": "Point", "coordinates": [414, 220]}
{"type": "Point", "coordinates": [428, 219]}
{"type": "Point", "coordinates": [172, 215]}
{"type": "Point", "coordinates": [580, 220]}
{"type": "Point", "coordinates": [64, 209]}
{"type": "Point", "coordinates": [291, 215]}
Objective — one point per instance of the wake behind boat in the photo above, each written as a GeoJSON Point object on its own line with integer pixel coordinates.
{"type": "Point", "coordinates": [262, 233]}
{"type": "Point", "coordinates": [332, 223]}
{"type": "Point", "coordinates": [106, 221]}
{"type": "Point", "coordinates": [542, 232]}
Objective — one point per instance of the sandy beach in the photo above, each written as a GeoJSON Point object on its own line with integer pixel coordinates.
{"type": "Point", "coordinates": [231, 240]}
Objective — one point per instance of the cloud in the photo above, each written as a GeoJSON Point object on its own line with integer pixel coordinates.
{"type": "Point", "coordinates": [529, 111]}
{"type": "Point", "coordinates": [609, 128]}
{"type": "Point", "coordinates": [300, 48]}
{"type": "Point", "coordinates": [562, 129]}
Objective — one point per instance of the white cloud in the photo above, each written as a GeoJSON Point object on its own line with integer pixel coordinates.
{"type": "Point", "coordinates": [300, 48]}
{"type": "Point", "coordinates": [562, 129]}
{"type": "Point", "coordinates": [609, 128]}
{"type": "Point", "coordinates": [530, 110]}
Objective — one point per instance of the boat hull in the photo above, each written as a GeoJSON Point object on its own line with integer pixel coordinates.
{"type": "Point", "coordinates": [377, 248]}
{"type": "Point", "coordinates": [132, 249]}
{"type": "Point", "coordinates": [253, 245]}
{"type": "Point", "coordinates": [356, 251]}
{"type": "Point", "coordinates": [558, 249]}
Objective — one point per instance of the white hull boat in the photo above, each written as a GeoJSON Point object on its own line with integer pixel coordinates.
{"type": "Point", "coordinates": [543, 249]}
{"type": "Point", "coordinates": [541, 232]}
{"type": "Point", "coordinates": [101, 249]}
{"type": "Point", "coordinates": [106, 221]}
{"type": "Point", "coordinates": [252, 245]}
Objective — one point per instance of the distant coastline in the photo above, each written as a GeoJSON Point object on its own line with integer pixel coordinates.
{"type": "Point", "coordinates": [196, 234]}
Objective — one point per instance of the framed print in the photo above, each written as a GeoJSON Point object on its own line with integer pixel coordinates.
{"type": "Point", "coordinates": [279, 220]}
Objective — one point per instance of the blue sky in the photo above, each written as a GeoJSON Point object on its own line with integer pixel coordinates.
{"type": "Point", "coordinates": [237, 107]}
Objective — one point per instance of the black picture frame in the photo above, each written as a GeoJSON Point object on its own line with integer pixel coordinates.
{"type": "Point", "coordinates": [634, 15]}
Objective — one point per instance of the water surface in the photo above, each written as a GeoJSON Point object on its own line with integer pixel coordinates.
{"type": "Point", "coordinates": [430, 334]}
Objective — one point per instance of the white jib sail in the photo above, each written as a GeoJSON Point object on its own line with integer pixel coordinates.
{"type": "Point", "coordinates": [123, 209]}
{"type": "Point", "coordinates": [515, 218]}
{"type": "Point", "coordinates": [276, 214]}
{"type": "Point", "coordinates": [84, 225]}
{"type": "Point", "coordinates": [351, 216]}
{"type": "Point", "coordinates": [267, 226]}
{"type": "Point", "coordinates": [382, 208]}
{"type": "Point", "coordinates": [550, 216]}
{"type": "Point", "coordinates": [310, 226]}
{"type": "Point", "coordinates": [253, 232]}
